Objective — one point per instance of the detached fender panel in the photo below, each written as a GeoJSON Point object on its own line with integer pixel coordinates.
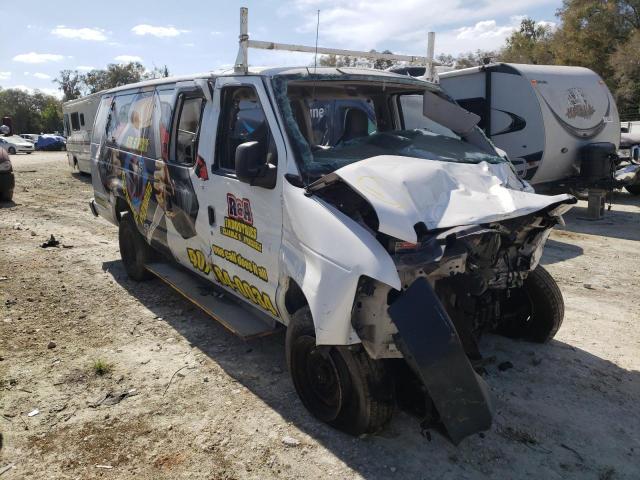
{"type": "Point", "coordinates": [326, 253]}
{"type": "Point", "coordinates": [431, 346]}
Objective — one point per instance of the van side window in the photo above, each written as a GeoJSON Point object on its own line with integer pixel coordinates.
{"type": "Point", "coordinates": [102, 116]}
{"type": "Point", "coordinates": [82, 119]}
{"type": "Point", "coordinates": [164, 113]}
{"type": "Point", "coordinates": [75, 121]}
{"type": "Point", "coordinates": [242, 120]}
{"type": "Point", "coordinates": [130, 127]}
{"type": "Point", "coordinates": [188, 129]}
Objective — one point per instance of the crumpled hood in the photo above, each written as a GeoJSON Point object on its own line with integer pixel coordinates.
{"type": "Point", "coordinates": [405, 191]}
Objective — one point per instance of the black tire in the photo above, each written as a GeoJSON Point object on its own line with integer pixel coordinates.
{"type": "Point", "coordinates": [339, 385]}
{"type": "Point", "coordinates": [536, 311]}
{"type": "Point", "coordinates": [6, 196]}
{"type": "Point", "coordinates": [633, 189]}
{"type": "Point", "coordinates": [134, 250]}
{"type": "Point", "coordinates": [12, 151]}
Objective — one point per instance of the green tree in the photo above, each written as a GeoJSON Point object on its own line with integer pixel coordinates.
{"type": "Point", "coordinates": [31, 112]}
{"type": "Point", "coordinates": [625, 64]}
{"type": "Point", "coordinates": [592, 30]}
{"type": "Point", "coordinates": [532, 43]}
{"type": "Point", "coordinates": [116, 75]}
{"type": "Point", "coordinates": [71, 84]}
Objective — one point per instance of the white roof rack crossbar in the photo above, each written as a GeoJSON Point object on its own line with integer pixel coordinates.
{"type": "Point", "coordinates": [242, 61]}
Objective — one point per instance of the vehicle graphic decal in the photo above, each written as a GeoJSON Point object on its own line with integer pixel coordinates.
{"type": "Point", "coordinates": [244, 263]}
{"type": "Point", "coordinates": [239, 208]}
{"type": "Point", "coordinates": [244, 288]}
{"type": "Point", "coordinates": [199, 261]}
{"type": "Point", "coordinates": [238, 224]}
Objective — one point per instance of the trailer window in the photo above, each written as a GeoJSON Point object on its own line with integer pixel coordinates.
{"type": "Point", "coordinates": [242, 119]}
{"type": "Point", "coordinates": [82, 119]}
{"type": "Point", "coordinates": [75, 121]}
{"type": "Point", "coordinates": [188, 130]}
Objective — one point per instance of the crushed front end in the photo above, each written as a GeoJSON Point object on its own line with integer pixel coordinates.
{"type": "Point", "coordinates": [457, 283]}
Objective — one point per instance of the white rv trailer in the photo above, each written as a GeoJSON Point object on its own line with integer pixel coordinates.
{"type": "Point", "coordinates": [559, 125]}
{"type": "Point", "coordinates": [78, 123]}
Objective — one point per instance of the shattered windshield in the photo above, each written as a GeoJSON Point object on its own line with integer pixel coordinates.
{"type": "Point", "coordinates": [334, 123]}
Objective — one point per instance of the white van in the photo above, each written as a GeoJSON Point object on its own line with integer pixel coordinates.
{"type": "Point", "coordinates": [386, 249]}
{"type": "Point", "coordinates": [78, 116]}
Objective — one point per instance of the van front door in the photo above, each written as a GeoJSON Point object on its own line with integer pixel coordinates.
{"type": "Point", "coordinates": [246, 220]}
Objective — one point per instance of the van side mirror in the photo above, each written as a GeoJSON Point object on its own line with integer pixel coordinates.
{"type": "Point", "coordinates": [252, 166]}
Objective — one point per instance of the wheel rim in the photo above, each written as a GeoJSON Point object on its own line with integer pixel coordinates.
{"type": "Point", "coordinates": [320, 378]}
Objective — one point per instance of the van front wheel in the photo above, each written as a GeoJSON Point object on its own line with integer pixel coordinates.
{"type": "Point", "coordinates": [340, 385]}
{"type": "Point", "coordinates": [134, 250]}
{"type": "Point", "coordinates": [534, 312]}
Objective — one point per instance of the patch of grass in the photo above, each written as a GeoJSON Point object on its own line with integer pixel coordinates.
{"type": "Point", "coordinates": [101, 367]}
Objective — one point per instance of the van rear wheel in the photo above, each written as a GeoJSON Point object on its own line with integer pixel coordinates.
{"type": "Point", "coordinates": [134, 250]}
{"type": "Point", "coordinates": [339, 385]}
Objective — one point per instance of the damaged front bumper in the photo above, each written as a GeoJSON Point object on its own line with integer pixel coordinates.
{"type": "Point", "coordinates": [456, 283]}
{"type": "Point", "coordinates": [431, 347]}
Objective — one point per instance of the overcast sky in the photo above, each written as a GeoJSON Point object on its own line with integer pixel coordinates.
{"type": "Point", "coordinates": [40, 38]}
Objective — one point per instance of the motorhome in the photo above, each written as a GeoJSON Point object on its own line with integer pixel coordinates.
{"type": "Point", "coordinates": [558, 124]}
{"type": "Point", "coordinates": [78, 117]}
{"type": "Point", "coordinates": [385, 244]}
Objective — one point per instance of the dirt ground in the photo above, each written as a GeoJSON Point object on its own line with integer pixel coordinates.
{"type": "Point", "coordinates": [180, 397]}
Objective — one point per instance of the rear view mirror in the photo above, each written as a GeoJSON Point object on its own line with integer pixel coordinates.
{"type": "Point", "coordinates": [447, 113]}
{"type": "Point", "coordinates": [252, 166]}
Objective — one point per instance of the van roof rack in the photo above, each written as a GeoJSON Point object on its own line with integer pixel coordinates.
{"type": "Point", "coordinates": [242, 60]}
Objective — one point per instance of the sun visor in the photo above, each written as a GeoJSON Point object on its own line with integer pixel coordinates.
{"type": "Point", "coordinates": [447, 113]}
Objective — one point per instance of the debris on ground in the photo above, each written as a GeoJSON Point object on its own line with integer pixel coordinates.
{"type": "Point", "coordinates": [51, 345]}
{"type": "Point", "coordinates": [111, 398]}
{"type": "Point", "coordinates": [6, 468]}
{"type": "Point", "coordinates": [52, 242]}
{"type": "Point", "coordinates": [33, 413]}
{"type": "Point", "coordinates": [290, 441]}
{"type": "Point", "coordinates": [504, 366]}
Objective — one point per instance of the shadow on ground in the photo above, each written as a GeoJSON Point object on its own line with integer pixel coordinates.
{"type": "Point", "coordinates": [9, 204]}
{"type": "Point", "coordinates": [558, 412]}
{"type": "Point", "coordinates": [82, 177]}
{"type": "Point", "coordinates": [617, 223]}
{"type": "Point", "coordinates": [556, 251]}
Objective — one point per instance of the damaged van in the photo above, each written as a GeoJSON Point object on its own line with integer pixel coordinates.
{"type": "Point", "coordinates": [386, 243]}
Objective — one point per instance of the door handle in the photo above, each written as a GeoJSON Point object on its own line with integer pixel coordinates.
{"type": "Point", "coordinates": [212, 215]}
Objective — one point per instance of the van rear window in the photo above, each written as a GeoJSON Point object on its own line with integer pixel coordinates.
{"type": "Point", "coordinates": [130, 125]}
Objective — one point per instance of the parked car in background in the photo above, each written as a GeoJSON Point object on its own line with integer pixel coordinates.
{"type": "Point", "coordinates": [51, 142]}
{"type": "Point", "coordinates": [16, 144]}
{"type": "Point", "coordinates": [30, 137]}
{"type": "Point", "coordinates": [7, 180]}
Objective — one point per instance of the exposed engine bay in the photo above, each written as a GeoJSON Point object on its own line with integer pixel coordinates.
{"type": "Point", "coordinates": [456, 283]}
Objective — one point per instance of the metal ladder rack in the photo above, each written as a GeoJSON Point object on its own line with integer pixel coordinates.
{"type": "Point", "coordinates": [242, 60]}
